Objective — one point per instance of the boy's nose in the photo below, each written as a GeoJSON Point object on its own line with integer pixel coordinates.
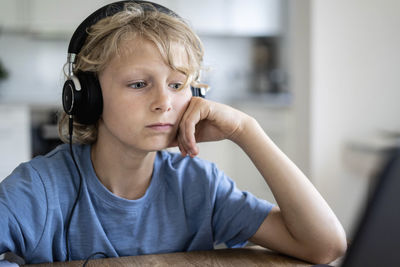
{"type": "Point", "coordinates": [161, 100]}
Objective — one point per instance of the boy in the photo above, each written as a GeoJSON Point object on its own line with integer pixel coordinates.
{"type": "Point", "coordinates": [134, 197]}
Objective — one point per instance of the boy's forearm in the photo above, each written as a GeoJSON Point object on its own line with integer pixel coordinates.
{"type": "Point", "coordinates": [305, 212]}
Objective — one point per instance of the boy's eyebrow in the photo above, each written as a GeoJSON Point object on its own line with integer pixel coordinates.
{"type": "Point", "coordinates": [127, 73]}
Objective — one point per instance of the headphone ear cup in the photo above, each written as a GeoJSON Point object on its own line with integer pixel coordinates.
{"type": "Point", "coordinates": [90, 105]}
{"type": "Point", "coordinates": [200, 92]}
{"type": "Point", "coordinates": [71, 95]}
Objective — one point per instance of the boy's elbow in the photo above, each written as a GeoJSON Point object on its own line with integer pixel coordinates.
{"type": "Point", "coordinates": [328, 253]}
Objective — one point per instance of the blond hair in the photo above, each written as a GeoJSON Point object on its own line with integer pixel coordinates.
{"type": "Point", "coordinates": [135, 21]}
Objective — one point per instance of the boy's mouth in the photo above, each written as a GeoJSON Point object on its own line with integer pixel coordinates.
{"type": "Point", "coordinates": [159, 126]}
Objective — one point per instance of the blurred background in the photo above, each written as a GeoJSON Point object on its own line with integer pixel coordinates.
{"type": "Point", "coordinates": [321, 77]}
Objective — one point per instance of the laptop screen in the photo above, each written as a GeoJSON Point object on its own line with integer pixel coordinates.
{"type": "Point", "coordinates": [377, 239]}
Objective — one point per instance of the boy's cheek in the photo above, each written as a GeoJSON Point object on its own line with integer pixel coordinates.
{"type": "Point", "coordinates": [185, 103]}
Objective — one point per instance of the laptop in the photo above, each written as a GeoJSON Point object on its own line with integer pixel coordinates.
{"type": "Point", "coordinates": [377, 239]}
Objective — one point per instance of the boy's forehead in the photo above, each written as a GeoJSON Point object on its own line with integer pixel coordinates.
{"type": "Point", "coordinates": [138, 46]}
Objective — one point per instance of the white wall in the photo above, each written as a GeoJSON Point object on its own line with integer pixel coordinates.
{"type": "Point", "coordinates": [297, 45]}
{"type": "Point", "coordinates": [355, 82]}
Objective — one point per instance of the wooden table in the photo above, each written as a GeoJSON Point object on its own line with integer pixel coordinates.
{"type": "Point", "coordinates": [252, 256]}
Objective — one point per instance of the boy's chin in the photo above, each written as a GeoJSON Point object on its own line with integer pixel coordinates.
{"type": "Point", "coordinates": [161, 146]}
{"type": "Point", "coordinates": [157, 144]}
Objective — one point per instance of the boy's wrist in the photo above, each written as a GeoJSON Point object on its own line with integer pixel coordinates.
{"type": "Point", "coordinates": [247, 125]}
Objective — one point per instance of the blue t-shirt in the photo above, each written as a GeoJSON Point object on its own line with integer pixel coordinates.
{"type": "Point", "coordinates": [189, 205]}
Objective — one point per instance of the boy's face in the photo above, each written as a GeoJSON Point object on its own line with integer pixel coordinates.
{"type": "Point", "coordinates": [142, 105]}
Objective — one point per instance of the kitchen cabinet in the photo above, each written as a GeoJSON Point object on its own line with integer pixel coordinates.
{"type": "Point", "coordinates": [209, 17]}
{"type": "Point", "coordinates": [46, 16]}
{"type": "Point", "coordinates": [13, 16]}
{"type": "Point", "coordinates": [49, 16]}
{"type": "Point", "coordinates": [14, 137]}
{"type": "Point", "coordinates": [230, 17]}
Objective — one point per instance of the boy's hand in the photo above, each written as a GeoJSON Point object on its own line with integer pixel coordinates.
{"type": "Point", "coordinates": [206, 120]}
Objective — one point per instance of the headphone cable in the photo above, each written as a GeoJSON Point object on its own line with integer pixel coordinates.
{"type": "Point", "coordinates": [79, 188]}
{"type": "Point", "coordinates": [92, 256]}
{"type": "Point", "coordinates": [76, 199]}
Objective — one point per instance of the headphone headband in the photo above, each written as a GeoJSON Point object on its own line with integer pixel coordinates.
{"type": "Point", "coordinates": [79, 36]}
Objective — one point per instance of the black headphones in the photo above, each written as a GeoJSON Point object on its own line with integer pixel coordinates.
{"type": "Point", "coordinates": [82, 97]}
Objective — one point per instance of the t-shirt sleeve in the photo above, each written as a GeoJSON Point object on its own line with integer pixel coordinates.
{"type": "Point", "coordinates": [237, 215]}
{"type": "Point", "coordinates": [23, 209]}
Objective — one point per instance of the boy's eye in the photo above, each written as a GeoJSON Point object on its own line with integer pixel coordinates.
{"type": "Point", "coordinates": [176, 86]}
{"type": "Point", "coordinates": [137, 85]}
